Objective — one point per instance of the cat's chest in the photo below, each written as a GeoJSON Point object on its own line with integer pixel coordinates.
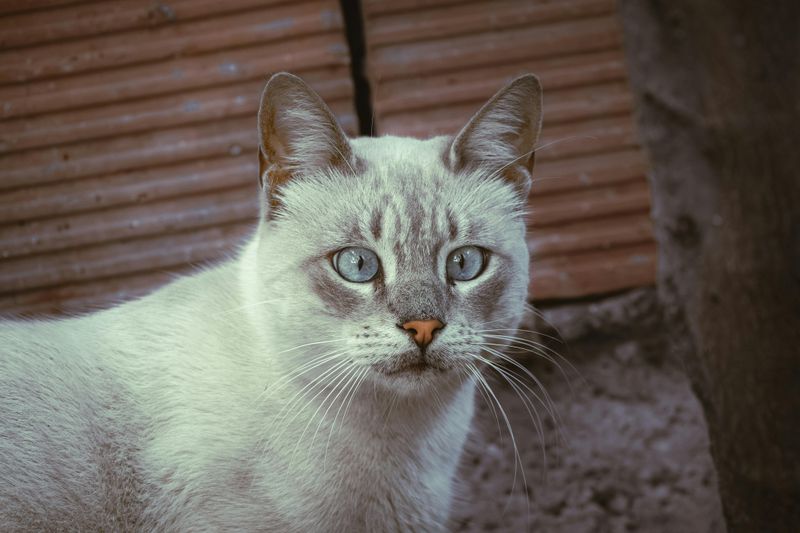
{"type": "Point", "coordinates": [388, 485]}
{"type": "Point", "coordinates": [375, 498]}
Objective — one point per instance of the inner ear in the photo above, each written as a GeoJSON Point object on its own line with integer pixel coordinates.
{"type": "Point", "coordinates": [501, 137]}
{"type": "Point", "coordinates": [298, 134]}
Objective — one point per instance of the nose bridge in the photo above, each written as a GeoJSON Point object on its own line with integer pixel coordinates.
{"type": "Point", "coordinates": [417, 300]}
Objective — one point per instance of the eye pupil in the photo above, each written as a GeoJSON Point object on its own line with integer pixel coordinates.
{"type": "Point", "coordinates": [356, 264]}
{"type": "Point", "coordinates": [465, 263]}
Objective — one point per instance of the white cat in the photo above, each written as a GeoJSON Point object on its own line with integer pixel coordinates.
{"type": "Point", "coordinates": [323, 380]}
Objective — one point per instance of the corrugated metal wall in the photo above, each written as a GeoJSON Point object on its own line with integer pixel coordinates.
{"type": "Point", "coordinates": [127, 129]}
{"type": "Point", "coordinates": [432, 64]}
{"type": "Point", "coordinates": [127, 135]}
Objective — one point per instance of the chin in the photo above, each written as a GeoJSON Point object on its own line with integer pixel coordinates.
{"type": "Point", "coordinates": [415, 379]}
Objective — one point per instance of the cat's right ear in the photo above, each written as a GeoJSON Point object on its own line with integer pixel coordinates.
{"type": "Point", "coordinates": [501, 138]}
{"type": "Point", "coordinates": [298, 135]}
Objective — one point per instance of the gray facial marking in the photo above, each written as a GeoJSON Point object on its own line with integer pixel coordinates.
{"type": "Point", "coordinates": [414, 208]}
{"type": "Point", "coordinates": [355, 235]}
{"type": "Point", "coordinates": [452, 225]}
{"type": "Point", "coordinates": [376, 224]}
{"type": "Point", "coordinates": [398, 248]}
{"type": "Point", "coordinates": [488, 296]}
{"type": "Point", "coordinates": [414, 299]}
{"type": "Point", "coordinates": [340, 301]}
{"type": "Point", "coordinates": [435, 249]}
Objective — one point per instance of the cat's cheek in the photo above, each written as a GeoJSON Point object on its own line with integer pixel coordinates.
{"type": "Point", "coordinates": [489, 297]}
{"type": "Point", "coordinates": [337, 298]}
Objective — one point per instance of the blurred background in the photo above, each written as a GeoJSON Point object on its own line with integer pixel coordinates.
{"type": "Point", "coordinates": [128, 156]}
{"type": "Point", "coordinates": [127, 139]}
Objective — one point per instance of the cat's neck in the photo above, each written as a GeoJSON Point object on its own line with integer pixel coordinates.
{"type": "Point", "coordinates": [384, 448]}
{"type": "Point", "coordinates": [367, 410]}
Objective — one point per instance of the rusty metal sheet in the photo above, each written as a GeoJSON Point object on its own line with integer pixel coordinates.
{"type": "Point", "coordinates": [83, 20]}
{"type": "Point", "coordinates": [229, 30]}
{"type": "Point", "coordinates": [322, 59]}
{"type": "Point", "coordinates": [127, 136]}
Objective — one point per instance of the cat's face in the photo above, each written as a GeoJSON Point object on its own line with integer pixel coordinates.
{"type": "Point", "coordinates": [392, 256]}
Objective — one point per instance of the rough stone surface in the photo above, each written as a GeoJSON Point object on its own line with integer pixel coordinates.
{"type": "Point", "coordinates": [634, 454]}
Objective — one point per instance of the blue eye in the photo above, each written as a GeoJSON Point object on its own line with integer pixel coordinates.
{"type": "Point", "coordinates": [465, 263]}
{"type": "Point", "coordinates": [356, 264]}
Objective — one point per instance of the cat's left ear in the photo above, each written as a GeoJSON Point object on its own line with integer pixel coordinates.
{"type": "Point", "coordinates": [298, 134]}
{"type": "Point", "coordinates": [500, 138]}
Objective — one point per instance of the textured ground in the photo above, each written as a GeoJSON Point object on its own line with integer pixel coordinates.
{"type": "Point", "coordinates": [635, 456]}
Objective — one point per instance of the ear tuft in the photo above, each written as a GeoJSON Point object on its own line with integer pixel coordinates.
{"type": "Point", "coordinates": [298, 134]}
{"type": "Point", "coordinates": [500, 138]}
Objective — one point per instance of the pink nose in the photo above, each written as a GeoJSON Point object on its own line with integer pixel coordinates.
{"type": "Point", "coordinates": [422, 330]}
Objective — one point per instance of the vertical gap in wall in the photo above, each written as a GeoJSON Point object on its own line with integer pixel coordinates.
{"type": "Point", "coordinates": [354, 28]}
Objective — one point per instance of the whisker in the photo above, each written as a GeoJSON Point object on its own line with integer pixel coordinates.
{"type": "Point", "coordinates": [315, 343]}
{"type": "Point", "coordinates": [515, 342]}
{"type": "Point", "coordinates": [548, 404]}
{"type": "Point", "coordinates": [247, 306]}
{"type": "Point", "coordinates": [544, 400]}
{"type": "Point", "coordinates": [306, 389]}
{"type": "Point", "coordinates": [299, 371]}
{"type": "Point", "coordinates": [501, 319]}
{"type": "Point", "coordinates": [532, 348]}
{"type": "Point", "coordinates": [279, 419]}
{"type": "Point", "coordinates": [350, 379]}
{"type": "Point", "coordinates": [533, 414]}
{"type": "Point", "coordinates": [494, 411]}
{"type": "Point", "coordinates": [542, 351]}
{"type": "Point", "coordinates": [517, 456]}
{"type": "Point", "coordinates": [536, 149]}
{"type": "Point", "coordinates": [537, 179]}
{"type": "Point", "coordinates": [359, 379]}
{"type": "Point", "coordinates": [564, 139]}
{"type": "Point", "coordinates": [530, 342]}
{"type": "Point", "coordinates": [538, 314]}
{"type": "Point", "coordinates": [338, 378]}
{"type": "Point", "coordinates": [394, 401]}
{"type": "Point", "coordinates": [523, 330]}
{"type": "Point", "coordinates": [344, 159]}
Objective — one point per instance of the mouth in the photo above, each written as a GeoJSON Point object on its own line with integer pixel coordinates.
{"type": "Point", "coordinates": [410, 369]}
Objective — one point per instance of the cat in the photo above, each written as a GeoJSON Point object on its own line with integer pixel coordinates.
{"type": "Point", "coordinates": [322, 380]}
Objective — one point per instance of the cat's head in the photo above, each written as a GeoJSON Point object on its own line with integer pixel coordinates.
{"type": "Point", "coordinates": [394, 255]}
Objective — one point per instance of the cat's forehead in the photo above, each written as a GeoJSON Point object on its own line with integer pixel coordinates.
{"type": "Point", "coordinates": [404, 195]}
{"type": "Point", "coordinates": [413, 172]}
{"type": "Point", "coordinates": [420, 198]}
{"type": "Point", "coordinates": [394, 153]}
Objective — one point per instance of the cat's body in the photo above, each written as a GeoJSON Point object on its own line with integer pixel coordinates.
{"type": "Point", "coordinates": [128, 418]}
{"type": "Point", "coordinates": [268, 393]}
